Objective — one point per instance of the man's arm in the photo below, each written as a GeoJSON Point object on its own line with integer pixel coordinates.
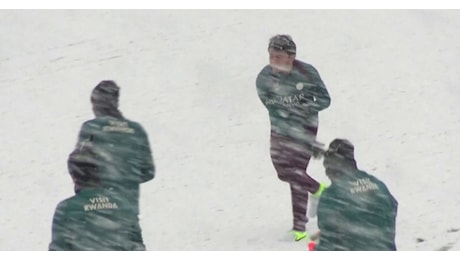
{"type": "Point", "coordinates": [148, 166]}
{"type": "Point", "coordinates": [320, 93]}
{"type": "Point", "coordinates": [60, 237]}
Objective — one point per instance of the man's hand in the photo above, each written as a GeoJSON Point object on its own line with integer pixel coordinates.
{"type": "Point", "coordinates": [317, 150]}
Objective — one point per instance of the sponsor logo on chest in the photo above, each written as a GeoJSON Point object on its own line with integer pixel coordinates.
{"type": "Point", "coordinates": [98, 203]}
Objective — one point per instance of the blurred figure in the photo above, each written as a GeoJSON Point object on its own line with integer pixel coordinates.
{"type": "Point", "coordinates": [293, 93]}
{"type": "Point", "coordinates": [357, 211]}
{"type": "Point", "coordinates": [121, 146]}
{"type": "Point", "coordinates": [95, 218]}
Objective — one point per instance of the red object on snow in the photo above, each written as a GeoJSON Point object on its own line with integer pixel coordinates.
{"type": "Point", "coordinates": [311, 245]}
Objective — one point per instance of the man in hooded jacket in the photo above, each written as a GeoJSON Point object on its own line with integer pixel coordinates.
{"type": "Point", "coordinates": [95, 218]}
{"type": "Point", "coordinates": [356, 212]}
{"type": "Point", "coordinates": [121, 146]}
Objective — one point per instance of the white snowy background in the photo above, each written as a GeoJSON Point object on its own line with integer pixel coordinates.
{"type": "Point", "coordinates": [189, 77]}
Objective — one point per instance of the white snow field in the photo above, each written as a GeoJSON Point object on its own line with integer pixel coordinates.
{"type": "Point", "coordinates": [188, 76]}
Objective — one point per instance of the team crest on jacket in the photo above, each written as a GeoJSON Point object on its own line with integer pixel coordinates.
{"type": "Point", "coordinates": [299, 86]}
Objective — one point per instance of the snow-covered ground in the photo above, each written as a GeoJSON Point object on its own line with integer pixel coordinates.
{"type": "Point", "coordinates": [189, 77]}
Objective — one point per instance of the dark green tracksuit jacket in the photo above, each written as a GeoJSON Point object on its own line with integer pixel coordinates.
{"type": "Point", "coordinates": [293, 100]}
{"type": "Point", "coordinates": [124, 154]}
{"type": "Point", "coordinates": [95, 219]}
{"type": "Point", "coordinates": [357, 213]}
{"type": "Point", "coordinates": [125, 159]}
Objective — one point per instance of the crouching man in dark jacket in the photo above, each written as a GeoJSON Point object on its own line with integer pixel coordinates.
{"type": "Point", "coordinates": [95, 218]}
{"type": "Point", "coordinates": [357, 211]}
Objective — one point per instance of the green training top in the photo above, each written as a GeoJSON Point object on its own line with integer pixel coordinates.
{"type": "Point", "coordinates": [293, 99]}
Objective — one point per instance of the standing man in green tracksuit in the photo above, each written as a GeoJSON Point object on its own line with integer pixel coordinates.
{"type": "Point", "coordinates": [121, 145]}
{"type": "Point", "coordinates": [96, 217]}
{"type": "Point", "coordinates": [293, 93]}
{"type": "Point", "coordinates": [357, 211]}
